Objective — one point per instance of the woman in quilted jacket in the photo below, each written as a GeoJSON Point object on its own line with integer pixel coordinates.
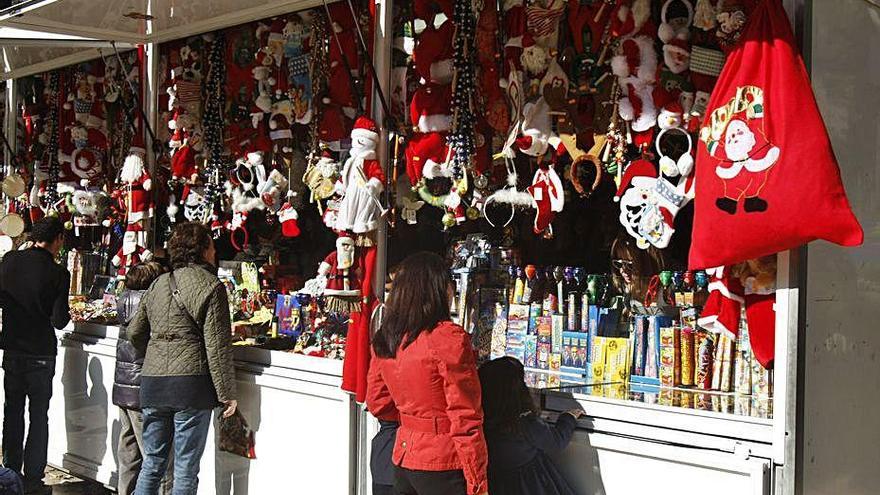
{"type": "Point", "coordinates": [183, 325]}
{"type": "Point", "coordinates": [423, 374]}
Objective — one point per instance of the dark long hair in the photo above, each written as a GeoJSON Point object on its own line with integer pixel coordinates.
{"type": "Point", "coordinates": [188, 244]}
{"type": "Point", "coordinates": [505, 396]}
{"type": "Point", "coordinates": [417, 302]}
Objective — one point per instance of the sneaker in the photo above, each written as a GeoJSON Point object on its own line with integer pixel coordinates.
{"type": "Point", "coordinates": [36, 487]}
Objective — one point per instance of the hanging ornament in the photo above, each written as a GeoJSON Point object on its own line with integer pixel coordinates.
{"type": "Point", "coordinates": [52, 147]}
{"type": "Point", "coordinates": [212, 121]}
{"type": "Point", "coordinates": [462, 138]}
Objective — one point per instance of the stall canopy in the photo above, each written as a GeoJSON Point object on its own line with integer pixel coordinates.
{"type": "Point", "coordinates": [142, 21]}
{"type": "Point", "coordinates": [25, 52]}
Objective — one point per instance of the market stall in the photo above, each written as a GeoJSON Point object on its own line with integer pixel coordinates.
{"type": "Point", "coordinates": [235, 119]}
{"type": "Point", "coordinates": [547, 148]}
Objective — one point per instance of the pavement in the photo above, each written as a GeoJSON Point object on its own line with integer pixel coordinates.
{"type": "Point", "coordinates": [65, 484]}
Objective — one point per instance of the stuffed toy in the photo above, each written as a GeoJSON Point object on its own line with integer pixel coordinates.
{"type": "Point", "coordinates": [361, 182]}
{"type": "Point", "coordinates": [138, 184]}
{"type": "Point", "coordinates": [430, 108]}
{"type": "Point", "coordinates": [635, 67]}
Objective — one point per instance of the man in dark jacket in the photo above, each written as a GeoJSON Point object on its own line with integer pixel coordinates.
{"type": "Point", "coordinates": [33, 294]}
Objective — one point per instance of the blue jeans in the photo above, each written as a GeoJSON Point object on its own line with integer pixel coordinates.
{"type": "Point", "coordinates": [187, 431]}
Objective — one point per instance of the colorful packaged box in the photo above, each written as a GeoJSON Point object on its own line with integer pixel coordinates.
{"type": "Point", "coordinates": [670, 357]}
{"type": "Point", "coordinates": [598, 347]}
{"type": "Point", "coordinates": [534, 315]}
{"type": "Point", "coordinates": [762, 384]}
{"type": "Point", "coordinates": [544, 327]}
{"type": "Point", "coordinates": [589, 315]}
{"type": "Point", "coordinates": [555, 361]}
{"type": "Point", "coordinates": [742, 375]}
{"type": "Point", "coordinates": [499, 332]}
{"type": "Point", "coordinates": [558, 327]}
{"type": "Point", "coordinates": [616, 360]}
{"type": "Point", "coordinates": [518, 317]}
{"type": "Point", "coordinates": [639, 344]}
{"type": "Point", "coordinates": [530, 346]}
{"type": "Point", "coordinates": [543, 359]}
{"type": "Point", "coordinates": [652, 348]}
{"type": "Point", "coordinates": [742, 405]}
{"type": "Point", "coordinates": [516, 351]}
{"type": "Point", "coordinates": [704, 345]}
{"type": "Point", "coordinates": [726, 383]}
{"type": "Point", "coordinates": [687, 356]}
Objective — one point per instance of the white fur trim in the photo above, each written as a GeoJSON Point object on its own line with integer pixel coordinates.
{"type": "Point", "coordinates": [513, 197]}
{"type": "Point", "coordinates": [280, 134]}
{"type": "Point", "coordinates": [647, 71]}
{"type": "Point", "coordinates": [619, 67]}
{"type": "Point", "coordinates": [725, 291]}
{"type": "Point", "coordinates": [713, 324]}
{"type": "Point", "coordinates": [625, 109]}
{"type": "Point", "coordinates": [364, 133]}
{"type": "Point", "coordinates": [434, 123]}
{"type": "Point", "coordinates": [648, 117]}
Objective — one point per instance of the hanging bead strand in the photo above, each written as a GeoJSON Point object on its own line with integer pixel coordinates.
{"type": "Point", "coordinates": [212, 122]}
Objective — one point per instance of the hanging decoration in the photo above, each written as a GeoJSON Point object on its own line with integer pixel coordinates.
{"type": "Point", "coordinates": [462, 135]}
{"type": "Point", "coordinates": [51, 155]}
{"type": "Point", "coordinates": [212, 121]}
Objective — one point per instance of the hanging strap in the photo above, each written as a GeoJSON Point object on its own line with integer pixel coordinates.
{"type": "Point", "coordinates": [175, 294]}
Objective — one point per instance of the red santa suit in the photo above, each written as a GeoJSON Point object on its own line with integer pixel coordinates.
{"type": "Point", "coordinates": [433, 53]}
{"type": "Point", "coordinates": [721, 314]}
{"type": "Point", "coordinates": [138, 184]}
{"type": "Point", "coordinates": [361, 182]}
{"type": "Point", "coordinates": [746, 161]}
{"type": "Point", "coordinates": [132, 251]}
{"type": "Point", "coordinates": [546, 189]}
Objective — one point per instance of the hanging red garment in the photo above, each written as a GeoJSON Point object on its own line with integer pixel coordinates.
{"type": "Point", "coordinates": [357, 343]}
{"type": "Point", "coordinates": [767, 179]}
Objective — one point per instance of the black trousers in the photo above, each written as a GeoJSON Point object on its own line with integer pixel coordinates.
{"type": "Point", "coordinates": [407, 482]}
{"type": "Point", "coordinates": [26, 377]}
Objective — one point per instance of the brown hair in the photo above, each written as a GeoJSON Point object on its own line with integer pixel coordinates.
{"type": "Point", "coordinates": [645, 263]}
{"type": "Point", "coordinates": [141, 276]}
{"type": "Point", "coordinates": [188, 244]}
{"type": "Point", "coordinates": [417, 302]}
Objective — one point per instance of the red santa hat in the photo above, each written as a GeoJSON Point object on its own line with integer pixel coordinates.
{"type": "Point", "coordinates": [676, 55]}
{"type": "Point", "coordinates": [280, 127]}
{"type": "Point", "coordinates": [339, 87]}
{"type": "Point", "coordinates": [183, 164]}
{"type": "Point", "coordinates": [430, 108]}
{"type": "Point", "coordinates": [636, 58]}
{"type": "Point", "coordinates": [331, 127]}
{"type": "Point", "coordinates": [288, 217]}
{"type": "Point", "coordinates": [638, 168]}
{"type": "Point", "coordinates": [364, 127]}
{"type": "Point", "coordinates": [536, 128]}
{"type": "Point", "coordinates": [427, 9]}
{"type": "Point", "coordinates": [85, 164]}
{"type": "Point", "coordinates": [632, 17]}
{"type": "Point", "coordinates": [137, 145]}
{"type": "Point", "coordinates": [671, 115]}
{"type": "Point", "coordinates": [424, 155]}
{"type": "Point", "coordinates": [433, 53]}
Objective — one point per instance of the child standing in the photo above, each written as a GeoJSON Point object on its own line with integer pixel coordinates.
{"type": "Point", "coordinates": [519, 441]}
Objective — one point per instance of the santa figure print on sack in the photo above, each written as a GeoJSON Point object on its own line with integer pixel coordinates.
{"type": "Point", "coordinates": [361, 182]}
{"type": "Point", "coordinates": [735, 137]}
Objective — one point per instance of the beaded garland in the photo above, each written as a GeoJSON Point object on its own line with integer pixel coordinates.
{"type": "Point", "coordinates": [212, 122]}
{"type": "Point", "coordinates": [462, 137]}
{"type": "Point", "coordinates": [52, 146]}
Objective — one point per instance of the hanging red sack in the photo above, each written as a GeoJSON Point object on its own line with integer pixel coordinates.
{"type": "Point", "coordinates": [767, 179]}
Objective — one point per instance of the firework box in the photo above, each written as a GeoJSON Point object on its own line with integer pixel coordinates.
{"type": "Point", "coordinates": [670, 357]}
{"type": "Point", "coordinates": [558, 327]}
{"type": "Point", "coordinates": [543, 355]}
{"type": "Point", "coordinates": [530, 346]}
{"type": "Point", "coordinates": [645, 345]}
{"type": "Point", "coordinates": [535, 312]}
{"type": "Point", "coordinates": [544, 328]}
{"type": "Point", "coordinates": [616, 360]}
{"type": "Point", "coordinates": [575, 349]}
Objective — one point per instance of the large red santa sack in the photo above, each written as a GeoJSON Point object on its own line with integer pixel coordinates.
{"type": "Point", "coordinates": [766, 177]}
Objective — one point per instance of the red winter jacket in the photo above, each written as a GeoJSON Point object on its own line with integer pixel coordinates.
{"type": "Point", "coordinates": [433, 383]}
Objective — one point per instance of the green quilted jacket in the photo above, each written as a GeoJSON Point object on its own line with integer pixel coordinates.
{"type": "Point", "coordinates": [175, 349]}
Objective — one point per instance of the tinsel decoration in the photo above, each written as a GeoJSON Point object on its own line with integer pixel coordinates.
{"type": "Point", "coordinates": [462, 139]}
{"type": "Point", "coordinates": [52, 146]}
{"type": "Point", "coordinates": [319, 70]}
{"type": "Point", "coordinates": [212, 123]}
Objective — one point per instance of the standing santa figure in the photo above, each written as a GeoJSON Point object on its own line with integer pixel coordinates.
{"type": "Point", "coordinates": [132, 252]}
{"type": "Point", "coordinates": [136, 180]}
{"type": "Point", "coordinates": [361, 182]}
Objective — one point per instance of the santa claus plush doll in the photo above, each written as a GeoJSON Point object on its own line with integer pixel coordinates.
{"type": "Point", "coordinates": [546, 190]}
{"type": "Point", "coordinates": [361, 182]}
{"type": "Point", "coordinates": [132, 251]}
{"type": "Point", "coordinates": [137, 182]}
{"type": "Point", "coordinates": [430, 108]}
{"type": "Point", "coordinates": [433, 54]}
{"type": "Point", "coordinates": [341, 271]}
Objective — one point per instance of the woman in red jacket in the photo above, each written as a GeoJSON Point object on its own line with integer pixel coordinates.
{"type": "Point", "coordinates": [423, 374]}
